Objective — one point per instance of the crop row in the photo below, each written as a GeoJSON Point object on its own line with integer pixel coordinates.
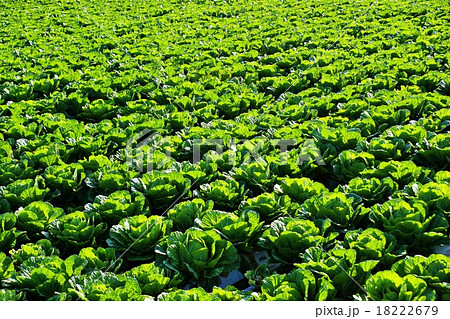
{"type": "Point", "coordinates": [153, 149]}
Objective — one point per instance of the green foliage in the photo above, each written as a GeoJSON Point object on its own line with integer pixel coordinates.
{"type": "Point", "coordinates": [389, 286]}
{"type": "Point", "coordinates": [42, 247]}
{"type": "Point", "coordinates": [6, 266]}
{"type": "Point", "coordinates": [338, 265]}
{"type": "Point", "coordinates": [76, 230]}
{"type": "Point", "coordinates": [401, 172]}
{"type": "Point", "coordinates": [184, 214]}
{"type": "Point", "coordinates": [152, 279]}
{"type": "Point", "coordinates": [212, 139]}
{"type": "Point", "coordinates": [161, 189]}
{"type": "Point", "coordinates": [269, 206]}
{"type": "Point", "coordinates": [242, 230]}
{"type": "Point", "coordinates": [336, 207]}
{"type": "Point", "coordinates": [287, 238]}
{"type": "Point", "coordinates": [373, 244]}
{"type": "Point", "coordinates": [103, 259]}
{"type": "Point", "coordinates": [65, 178]}
{"type": "Point", "coordinates": [434, 270]}
{"type": "Point", "coordinates": [371, 190]}
{"type": "Point", "coordinates": [45, 276]}
{"type": "Point", "coordinates": [117, 205]}
{"type": "Point", "coordinates": [225, 194]}
{"type": "Point", "coordinates": [24, 192]}
{"type": "Point", "coordinates": [350, 163]}
{"type": "Point", "coordinates": [255, 174]}
{"type": "Point", "coordinates": [8, 233]}
{"type": "Point", "coordinates": [98, 286]}
{"type": "Point", "coordinates": [410, 222]}
{"type": "Point", "coordinates": [198, 254]}
{"type": "Point", "coordinates": [37, 216]}
{"type": "Point", "coordinates": [300, 189]}
{"type": "Point", "coordinates": [194, 294]}
{"type": "Point", "coordinates": [300, 285]}
{"type": "Point", "coordinates": [138, 236]}
{"type": "Point", "coordinates": [11, 295]}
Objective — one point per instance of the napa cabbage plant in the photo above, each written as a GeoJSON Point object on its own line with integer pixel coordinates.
{"type": "Point", "coordinates": [23, 192]}
{"type": "Point", "coordinates": [257, 174]}
{"type": "Point", "coordinates": [12, 170]}
{"type": "Point", "coordinates": [434, 269]}
{"type": "Point", "coordinates": [269, 206]}
{"type": "Point", "coordinates": [161, 189]}
{"type": "Point", "coordinates": [242, 230]}
{"type": "Point", "coordinates": [76, 230]}
{"type": "Point", "coordinates": [198, 173]}
{"type": "Point", "coordinates": [437, 197]}
{"type": "Point", "coordinates": [299, 285]}
{"type": "Point", "coordinates": [226, 194]}
{"type": "Point", "coordinates": [338, 265]}
{"type": "Point", "coordinates": [66, 178]}
{"type": "Point", "coordinates": [287, 238]}
{"type": "Point", "coordinates": [117, 205]}
{"type": "Point", "coordinates": [194, 294]}
{"type": "Point", "coordinates": [9, 235]}
{"type": "Point", "coordinates": [42, 247]}
{"type": "Point", "coordinates": [108, 179]}
{"type": "Point", "coordinates": [383, 149]}
{"type": "Point", "coordinates": [436, 151]}
{"type": "Point", "coordinates": [104, 286]}
{"type": "Point", "coordinates": [198, 254]}
{"type": "Point", "coordinates": [336, 207]}
{"type": "Point", "coordinates": [410, 222]}
{"type": "Point", "coordinates": [103, 259]}
{"type": "Point", "coordinates": [402, 173]}
{"type": "Point", "coordinates": [300, 189]}
{"type": "Point", "coordinates": [371, 190]}
{"type": "Point", "coordinates": [36, 217]}
{"type": "Point", "coordinates": [183, 214]}
{"type": "Point", "coordinates": [350, 164]}
{"type": "Point", "coordinates": [373, 244]}
{"type": "Point", "coordinates": [152, 279]}
{"type": "Point", "coordinates": [138, 236]}
{"type": "Point", "coordinates": [410, 133]}
{"type": "Point", "coordinates": [339, 139]}
{"type": "Point", "coordinates": [387, 285]}
{"type": "Point", "coordinates": [44, 277]}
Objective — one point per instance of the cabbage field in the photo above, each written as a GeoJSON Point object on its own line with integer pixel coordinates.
{"type": "Point", "coordinates": [225, 150]}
